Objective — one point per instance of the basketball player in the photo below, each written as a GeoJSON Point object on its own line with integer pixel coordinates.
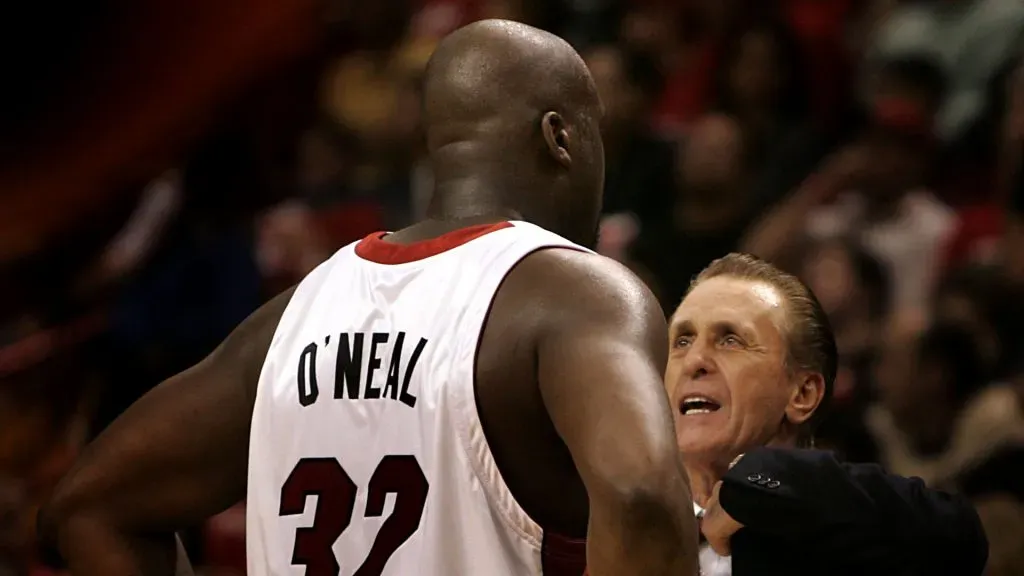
{"type": "Point", "coordinates": [455, 395]}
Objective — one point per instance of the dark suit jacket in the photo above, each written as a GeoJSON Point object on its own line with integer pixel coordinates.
{"type": "Point", "coordinates": [806, 513]}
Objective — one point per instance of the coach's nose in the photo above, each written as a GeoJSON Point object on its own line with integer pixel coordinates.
{"type": "Point", "coordinates": [698, 363]}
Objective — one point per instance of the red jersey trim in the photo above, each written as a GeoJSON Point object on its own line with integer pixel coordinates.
{"type": "Point", "coordinates": [561, 556]}
{"type": "Point", "coordinates": [375, 249]}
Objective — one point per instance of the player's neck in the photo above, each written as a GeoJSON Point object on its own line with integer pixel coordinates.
{"type": "Point", "coordinates": [470, 198]}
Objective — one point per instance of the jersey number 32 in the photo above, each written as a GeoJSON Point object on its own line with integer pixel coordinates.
{"type": "Point", "coordinates": [336, 492]}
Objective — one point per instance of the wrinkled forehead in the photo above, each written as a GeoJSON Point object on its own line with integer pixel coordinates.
{"type": "Point", "coordinates": [756, 306]}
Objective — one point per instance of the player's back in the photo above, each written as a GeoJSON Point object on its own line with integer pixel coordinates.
{"type": "Point", "coordinates": [366, 401]}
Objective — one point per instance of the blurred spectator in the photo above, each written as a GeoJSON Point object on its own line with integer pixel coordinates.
{"type": "Point", "coordinates": [710, 212]}
{"type": "Point", "coordinates": [12, 534]}
{"type": "Point", "coordinates": [656, 29]}
{"type": "Point", "coordinates": [827, 33]}
{"type": "Point", "coordinates": [616, 235]}
{"type": "Point", "coordinates": [941, 423]}
{"type": "Point", "coordinates": [762, 83]}
{"type": "Point", "coordinates": [964, 167]}
{"type": "Point", "coordinates": [434, 19]}
{"type": "Point", "coordinates": [853, 288]}
{"type": "Point", "coordinates": [371, 99]}
{"type": "Point", "coordinates": [687, 55]}
{"type": "Point", "coordinates": [1013, 160]}
{"type": "Point", "coordinates": [639, 174]}
{"type": "Point", "coordinates": [45, 422]}
{"type": "Point", "coordinates": [989, 306]}
{"type": "Point", "coordinates": [875, 191]}
{"type": "Point", "coordinates": [916, 80]}
{"type": "Point", "coordinates": [972, 40]}
{"type": "Point", "coordinates": [983, 301]}
{"type": "Point", "coordinates": [977, 237]}
{"type": "Point", "coordinates": [591, 22]}
{"type": "Point", "coordinates": [335, 209]}
{"type": "Point", "coordinates": [361, 90]}
{"type": "Point", "coordinates": [134, 243]}
{"type": "Point", "coordinates": [199, 280]}
{"type": "Point", "coordinates": [377, 27]}
{"type": "Point", "coordinates": [289, 245]}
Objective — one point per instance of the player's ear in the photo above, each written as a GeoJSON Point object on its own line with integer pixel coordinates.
{"type": "Point", "coordinates": [806, 397]}
{"type": "Point", "coordinates": [556, 136]}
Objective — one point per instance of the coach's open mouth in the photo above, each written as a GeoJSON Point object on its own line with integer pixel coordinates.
{"type": "Point", "coordinates": [695, 404]}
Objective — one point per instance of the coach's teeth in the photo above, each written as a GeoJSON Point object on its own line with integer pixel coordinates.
{"type": "Point", "coordinates": [698, 405]}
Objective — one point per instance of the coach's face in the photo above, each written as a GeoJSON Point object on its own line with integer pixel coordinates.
{"type": "Point", "coordinates": [726, 377]}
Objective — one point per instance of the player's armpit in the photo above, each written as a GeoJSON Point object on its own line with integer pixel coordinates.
{"type": "Point", "coordinates": [174, 458]}
{"type": "Point", "coordinates": [601, 359]}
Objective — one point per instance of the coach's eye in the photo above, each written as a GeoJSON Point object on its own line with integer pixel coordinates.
{"type": "Point", "coordinates": [731, 340]}
{"type": "Point", "coordinates": [681, 342]}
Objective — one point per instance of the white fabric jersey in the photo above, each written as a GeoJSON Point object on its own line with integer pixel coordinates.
{"type": "Point", "coordinates": [366, 454]}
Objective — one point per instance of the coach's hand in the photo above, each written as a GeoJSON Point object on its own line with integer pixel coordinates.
{"type": "Point", "coordinates": [717, 526]}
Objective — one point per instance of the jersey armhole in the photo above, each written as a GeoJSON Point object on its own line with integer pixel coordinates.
{"type": "Point", "coordinates": [559, 555]}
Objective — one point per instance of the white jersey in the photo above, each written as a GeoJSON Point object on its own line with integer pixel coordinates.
{"type": "Point", "coordinates": [366, 454]}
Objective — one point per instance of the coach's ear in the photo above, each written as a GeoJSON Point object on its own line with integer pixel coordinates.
{"type": "Point", "coordinates": [807, 395]}
{"type": "Point", "coordinates": [556, 136]}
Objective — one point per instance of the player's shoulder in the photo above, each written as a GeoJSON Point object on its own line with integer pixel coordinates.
{"type": "Point", "coordinates": [578, 283]}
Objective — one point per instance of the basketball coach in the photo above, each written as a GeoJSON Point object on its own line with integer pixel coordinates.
{"type": "Point", "coordinates": [751, 366]}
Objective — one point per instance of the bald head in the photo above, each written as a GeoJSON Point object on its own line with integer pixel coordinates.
{"type": "Point", "coordinates": [498, 69]}
{"type": "Point", "coordinates": [514, 110]}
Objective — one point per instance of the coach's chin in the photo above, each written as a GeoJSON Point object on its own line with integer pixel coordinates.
{"type": "Point", "coordinates": [743, 370]}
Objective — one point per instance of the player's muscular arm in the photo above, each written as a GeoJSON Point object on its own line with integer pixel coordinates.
{"type": "Point", "coordinates": [601, 357]}
{"type": "Point", "coordinates": [174, 458]}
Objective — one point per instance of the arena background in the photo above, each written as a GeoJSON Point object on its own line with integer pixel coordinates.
{"type": "Point", "coordinates": [168, 165]}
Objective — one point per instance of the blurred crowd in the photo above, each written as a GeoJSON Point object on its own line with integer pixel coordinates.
{"type": "Point", "coordinates": [873, 147]}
